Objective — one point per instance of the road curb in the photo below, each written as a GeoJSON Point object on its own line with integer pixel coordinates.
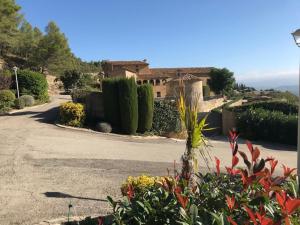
{"type": "Point", "coordinates": [118, 135]}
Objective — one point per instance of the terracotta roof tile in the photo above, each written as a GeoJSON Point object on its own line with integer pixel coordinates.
{"type": "Point", "coordinates": [125, 63]}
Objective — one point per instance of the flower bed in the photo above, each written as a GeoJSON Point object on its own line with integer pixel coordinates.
{"type": "Point", "coordinates": [253, 194]}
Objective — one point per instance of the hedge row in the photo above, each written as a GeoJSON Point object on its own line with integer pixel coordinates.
{"type": "Point", "coordinates": [267, 125]}
{"type": "Point", "coordinates": [284, 107]}
{"type": "Point", "coordinates": [123, 109]}
{"type": "Point", "coordinates": [166, 117]}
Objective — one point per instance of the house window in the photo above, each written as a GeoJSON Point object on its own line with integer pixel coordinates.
{"type": "Point", "coordinates": [157, 82]}
{"type": "Point", "coordinates": [137, 69]}
{"type": "Point", "coordinates": [152, 82]}
{"type": "Point", "coordinates": [139, 82]}
{"type": "Point", "coordinates": [158, 94]}
{"type": "Point", "coordinates": [145, 82]}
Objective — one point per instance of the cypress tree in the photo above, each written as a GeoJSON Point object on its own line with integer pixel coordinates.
{"type": "Point", "coordinates": [128, 105]}
{"type": "Point", "coordinates": [111, 102]}
{"type": "Point", "coordinates": [145, 106]}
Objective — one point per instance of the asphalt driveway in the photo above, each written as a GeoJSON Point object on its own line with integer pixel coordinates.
{"type": "Point", "coordinates": [44, 167]}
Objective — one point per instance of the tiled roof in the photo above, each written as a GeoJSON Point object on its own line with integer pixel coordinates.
{"type": "Point", "coordinates": [152, 76]}
{"type": "Point", "coordinates": [182, 70]}
{"type": "Point", "coordinates": [126, 63]}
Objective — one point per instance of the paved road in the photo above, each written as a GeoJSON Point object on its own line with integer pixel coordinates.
{"type": "Point", "coordinates": [44, 167]}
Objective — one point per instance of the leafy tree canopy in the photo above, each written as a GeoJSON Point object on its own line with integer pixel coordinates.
{"type": "Point", "coordinates": [221, 80]}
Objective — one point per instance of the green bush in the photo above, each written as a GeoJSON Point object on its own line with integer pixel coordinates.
{"type": "Point", "coordinates": [33, 83]}
{"type": "Point", "coordinates": [111, 102]}
{"type": "Point", "coordinates": [206, 91]}
{"type": "Point", "coordinates": [128, 101]}
{"type": "Point", "coordinates": [70, 79]}
{"type": "Point", "coordinates": [19, 103]}
{"type": "Point", "coordinates": [262, 124]}
{"type": "Point", "coordinates": [145, 106]}
{"type": "Point", "coordinates": [28, 100]}
{"type": "Point", "coordinates": [72, 114]}
{"type": "Point", "coordinates": [281, 106]}
{"type": "Point", "coordinates": [166, 117]}
{"type": "Point", "coordinates": [79, 95]}
{"type": "Point", "coordinates": [7, 98]}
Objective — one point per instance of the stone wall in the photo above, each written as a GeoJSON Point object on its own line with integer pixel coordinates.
{"type": "Point", "coordinates": [228, 121]}
{"type": "Point", "coordinates": [211, 104]}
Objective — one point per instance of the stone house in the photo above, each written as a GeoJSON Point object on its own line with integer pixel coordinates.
{"type": "Point", "coordinates": [162, 79]}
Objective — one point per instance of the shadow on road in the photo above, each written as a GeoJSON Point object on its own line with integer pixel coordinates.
{"type": "Point", "coordinates": [49, 116]}
{"type": "Point", "coordinates": [63, 195]}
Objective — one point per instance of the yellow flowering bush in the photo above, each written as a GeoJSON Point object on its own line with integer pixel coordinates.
{"type": "Point", "coordinates": [142, 182]}
{"type": "Point", "coordinates": [72, 114]}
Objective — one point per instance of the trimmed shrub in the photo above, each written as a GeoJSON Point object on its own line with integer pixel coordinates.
{"type": "Point", "coordinates": [72, 114]}
{"type": "Point", "coordinates": [79, 95]}
{"type": "Point", "coordinates": [7, 98]}
{"type": "Point", "coordinates": [284, 107]}
{"type": "Point", "coordinates": [33, 83]}
{"type": "Point", "coordinates": [111, 102]}
{"type": "Point", "coordinates": [70, 79]}
{"type": "Point", "coordinates": [206, 91]}
{"type": "Point", "coordinates": [19, 103]}
{"type": "Point", "coordinates": [166, 117]}
{"type": "Point", "coordinates": [128, 105]}
{"type": "Point", "coordinates": [104, 127]}
{"type": "Point", "coordinates": [145, 106]}
{"type": "Point", "coordinates": [28, 100]}
{"type": "Point", "coordinates": [261, 124]}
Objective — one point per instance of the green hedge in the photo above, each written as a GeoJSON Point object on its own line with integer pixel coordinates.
{"type": "Point", "coordinates": [145, 106]}
{"type": "Point", "coordinates": [33, 83]}
{"type": "Point", "coordinates": [166, 117]}
{"type": "Point", "coordinates": [274, 126]}
{"type": "Point", "coordinates": [111, 104]}
{"type": "Point", "coordinates": [128, 105]}
{"type": "Point", "coordinates": [284, 107]}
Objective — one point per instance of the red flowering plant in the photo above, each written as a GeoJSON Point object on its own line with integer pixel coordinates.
{"type": "Point", "coordinates": [251, 194]}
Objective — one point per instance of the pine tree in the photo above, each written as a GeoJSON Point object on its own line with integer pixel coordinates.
{"type": "Point", "coordinates": [53, 51]}
{"type": "Point", "coordinates": [10, 19]}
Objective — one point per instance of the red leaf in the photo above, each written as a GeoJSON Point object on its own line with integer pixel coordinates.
{"type": "Point", "coordinates": [287, 171]}
{"type": "Point", "coordinates": [183, 200]}
{"type": "Point", "coordinates": [255, 154]}
{"type": "Point", "coordinates": [251, 215]}
{"type": "Point", "coordinates": [235, 161]}
{"type": "Point", "coordinates": [100, 220]}
{"type": "Point", "coordinates": [230, 202]}
{"type": "Point", "coordinates": [231, 221]}
{"type": "Point", "coordinates": [217, 165]}
{"type": "Point", "coordinates": [292, 205]}
{"type": "Point", "coordinates": [250, 146]}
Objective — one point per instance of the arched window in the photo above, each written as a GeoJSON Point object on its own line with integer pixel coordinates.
{"type": "Point", "coordinates": [152, 82]}
{"type": "Point", "coordinates": [157, 82]}
{"type": "Point", "coordinates": [139, 82]}
{"type": "Point", "coordinates": [145, 82]}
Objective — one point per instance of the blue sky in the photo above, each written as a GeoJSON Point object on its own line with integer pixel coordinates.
{"type": "Point", "coordinates": [251, 38]}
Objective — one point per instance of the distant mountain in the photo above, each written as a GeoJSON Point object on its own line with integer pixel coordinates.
{"type": "Point", "coordinates": [291, 88]}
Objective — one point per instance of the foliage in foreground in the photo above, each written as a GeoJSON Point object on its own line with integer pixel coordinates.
{"type": "Point", "coordinates": [253, 194]}
{"type": "Point", "coordinates": [72, 114]}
